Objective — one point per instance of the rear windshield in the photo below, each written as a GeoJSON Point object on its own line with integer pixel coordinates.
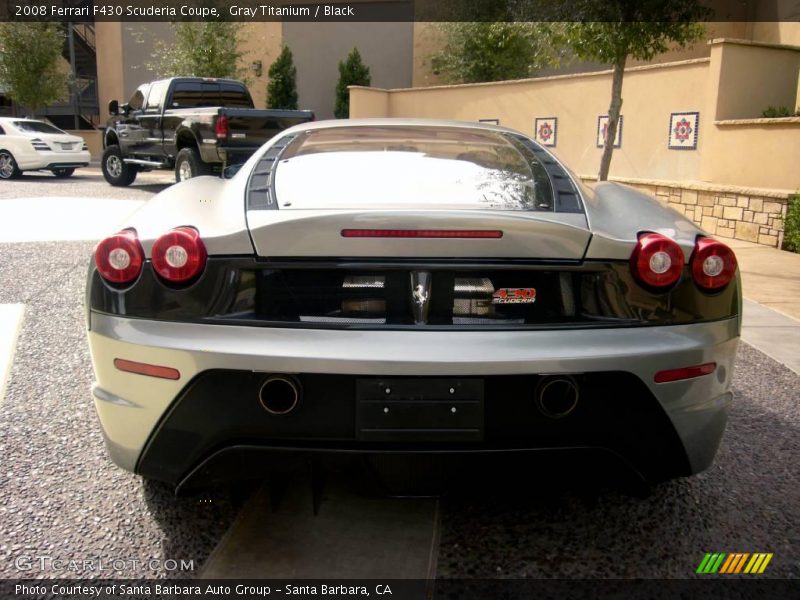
{"type": "Point", "coordinates": [411, 167]}
{"type": "Point", "coordinates": [36, 127]}
{"type": "Point", "coordinates": [194, 94]}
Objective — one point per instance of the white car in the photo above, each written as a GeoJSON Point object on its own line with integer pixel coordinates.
{"type": "Point", "coordinates": [30, 145]}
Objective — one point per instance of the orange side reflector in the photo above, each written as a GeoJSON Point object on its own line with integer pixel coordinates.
{"type": "Point", "coordinates": [130, 366]}
{"type": "Point", "coordinates": [685, 373]}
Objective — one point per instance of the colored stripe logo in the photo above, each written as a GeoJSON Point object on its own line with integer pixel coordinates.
{"type": "Point", "coordinates": [734, 562]}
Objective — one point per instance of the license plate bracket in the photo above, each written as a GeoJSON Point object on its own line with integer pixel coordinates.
{"type": "Point", "coordinates": [420, 409]}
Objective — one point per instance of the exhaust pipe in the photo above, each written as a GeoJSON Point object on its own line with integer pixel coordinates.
{"type": "Point", "coordinates": [557, 396]}
{"type": "Point", "coordinates": [279, 394]}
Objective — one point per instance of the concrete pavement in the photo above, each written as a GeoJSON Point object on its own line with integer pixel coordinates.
{"type": "Point", "coordinates": [770, 277]}
{"type": "Point", "coordinates": [354, 536]}
{"type": "Point", "coordinates": [771, 287]}
{"type": "Point", "coordinates": [10, 321]}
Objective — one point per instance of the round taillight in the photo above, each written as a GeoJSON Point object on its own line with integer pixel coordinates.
{"type": "Point", "coordinates": [657, 261]}
{"type": "Point", "coordinates": [713, 264]}
{"type": "Point", "coordinates": [180, 255]}
{"type": "Point", "coordinates": [119, 258]}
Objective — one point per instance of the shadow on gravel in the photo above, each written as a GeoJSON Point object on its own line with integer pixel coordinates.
{"type": "Point", "coordinates": [154, 188]}
{"type": "Point", "coordinates": [81, 178]}
{"type": "Point", "coordinates": [193, 525]}
{"type": "Point", "coordinates": [45, 177]}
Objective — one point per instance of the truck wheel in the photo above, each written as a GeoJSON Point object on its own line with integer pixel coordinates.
{"type": "Point", "coordinates": [63, 172]}
{"type": "Point", "coordinates": [115, 171]}
{"type": "Point", "coordinates": [188, 164]}
{"type": "Point", "coordinates": [8, 166]}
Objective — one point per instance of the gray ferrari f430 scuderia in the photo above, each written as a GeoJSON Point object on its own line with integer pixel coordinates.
{"type": "Point", "coordinates": [408, 286]}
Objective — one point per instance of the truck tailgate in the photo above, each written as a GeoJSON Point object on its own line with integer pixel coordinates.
{"type": "Point", "coordinates": [250, 127]}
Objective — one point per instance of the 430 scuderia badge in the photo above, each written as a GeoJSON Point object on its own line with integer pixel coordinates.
{"type": "Point", "coordinates": [514, 296]}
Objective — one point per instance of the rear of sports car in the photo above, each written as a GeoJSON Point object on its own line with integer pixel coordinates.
{"type": "Point", "coordinates": [408, 287]}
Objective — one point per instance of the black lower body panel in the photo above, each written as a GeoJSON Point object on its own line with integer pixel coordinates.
{"type": "Point", "coordinates": [218, 427]}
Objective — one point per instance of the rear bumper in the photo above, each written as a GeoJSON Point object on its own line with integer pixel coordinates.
{"type": "Point", "coordinates": [212, 153]}
{"type": "Point", "coordinates": [51, 160]}
{"type": "Point", "coordinates": [133, 408]}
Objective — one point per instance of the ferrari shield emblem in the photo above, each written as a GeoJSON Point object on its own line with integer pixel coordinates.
{"type": "Point", "coordinates": [420, 295]}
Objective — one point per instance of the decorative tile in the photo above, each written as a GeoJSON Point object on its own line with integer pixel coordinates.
{"type": "Point", "coordinates": [683, 130]}
{"type": "Point", "coordinates": [602, 127]}
{"type": "Point", "coordinates": [545, 130]}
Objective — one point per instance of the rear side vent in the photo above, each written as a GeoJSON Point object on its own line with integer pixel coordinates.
{"type": "Point", "coordinates": [260, 190]}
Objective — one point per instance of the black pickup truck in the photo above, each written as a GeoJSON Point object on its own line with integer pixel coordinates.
{"type": "Point", "coordinates": [196, 126]}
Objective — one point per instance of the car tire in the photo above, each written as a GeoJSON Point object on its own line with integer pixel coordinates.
{"type": "Point", "coordinates": [63, 172]}
{"type": "Point", "coordinates": [188, 164]}
{"type": "Point", "coordinates": [8, 166]}
{"type": "Point", "coordinates": [115, 171]}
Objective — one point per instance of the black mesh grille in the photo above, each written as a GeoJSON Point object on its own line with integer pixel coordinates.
{"type": "Point", "coordinates": [386, 297]}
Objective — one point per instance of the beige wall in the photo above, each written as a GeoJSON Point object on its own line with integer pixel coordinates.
{"type": "Point", "coordinates": [110, 80]}
{"type": "Point", "coordinates": [427, 41]}
{"type": "Point", "coordinates": [260, 41]}
{"type": "Point", "coordinates": [368, 103]}
{"type": "Point", "coordinates": [753, 77]}
{"type": "Point", "coordinates": [777, 32]}
{"type": "Point", "coordinates": [757, 153]}
{"type": "Point", "coordinates": [92, 139]}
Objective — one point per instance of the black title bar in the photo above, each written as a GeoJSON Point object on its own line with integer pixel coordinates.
{"type": "Point", "coordinates": [717, 587]}
{"type": "Point", "coordinates": [398, 10]}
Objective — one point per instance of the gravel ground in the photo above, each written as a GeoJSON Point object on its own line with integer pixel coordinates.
{"type": "Point", "coordinates": [748, 501]}
{"type": "Point", "coordinates": [61, 496]}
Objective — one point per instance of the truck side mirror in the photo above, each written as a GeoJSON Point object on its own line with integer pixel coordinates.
{"type": "Point", "coordinates": [113, 108]}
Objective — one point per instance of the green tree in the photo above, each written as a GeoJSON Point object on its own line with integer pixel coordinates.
{"type": "Point", "coordinates": [30, 55]}
{"type": "Point", "coordinates": [491, 51]}
{"type": "Point", "coordinates": [352, 71]}
{"type": "Point", "coordinates": [200, 49]}
{"type": "Point", "coordinates": [282, 86]}
{"type": "Point", "coordinates": [615, 30]}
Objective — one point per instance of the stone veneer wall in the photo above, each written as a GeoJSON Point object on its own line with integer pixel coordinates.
{"type": "Point", "coordinates": [752, 215]}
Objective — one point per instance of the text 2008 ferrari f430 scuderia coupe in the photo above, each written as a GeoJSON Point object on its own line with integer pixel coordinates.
{"type": "Point", "coordinates": [410, 286]}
